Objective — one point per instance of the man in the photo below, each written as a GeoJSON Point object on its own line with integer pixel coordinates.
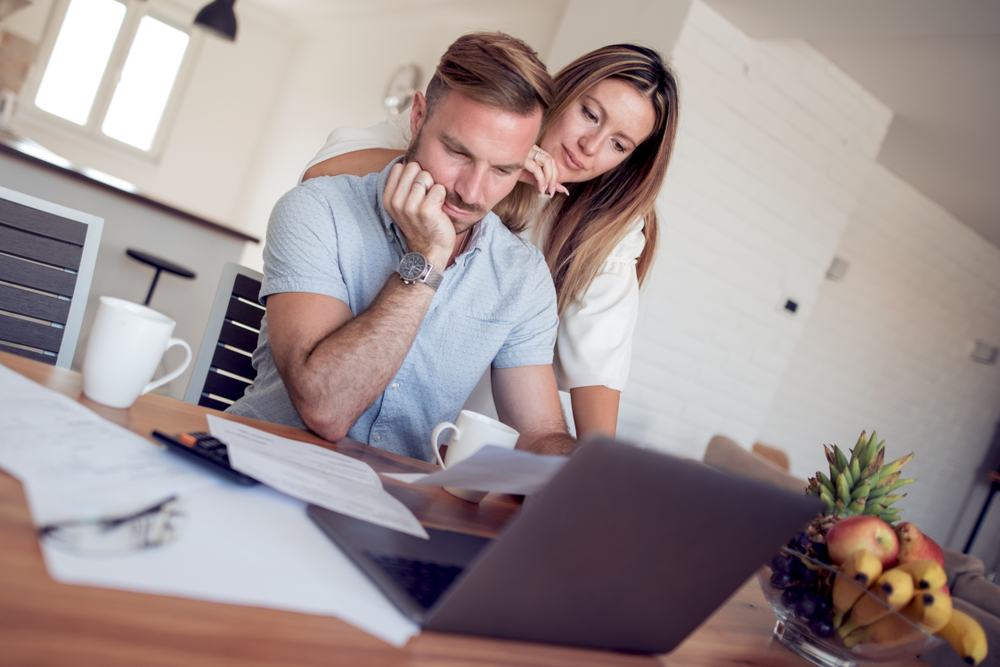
{"type": "Point", "coordinates": [389, 295]}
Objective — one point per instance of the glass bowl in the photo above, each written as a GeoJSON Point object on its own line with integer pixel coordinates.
{"type": "Point", "coordinates": [804, 614]}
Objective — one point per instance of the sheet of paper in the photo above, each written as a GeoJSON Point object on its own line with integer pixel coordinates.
{"type": "Point", "coordinates": [250, 546]}
{"type": "Point", "coordinates": [314, 474]}
{"type": "Point", "coordinates": [77, 463]}
{"type": "Point", "coordinates": [494, 469]}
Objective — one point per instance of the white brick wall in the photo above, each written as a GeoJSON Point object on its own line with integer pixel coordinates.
{"type": "Point", "coordinates": [774, 174]}
{"type": "Point", "coordinates": [772, 153]}
{"type": "Point", "coordinates": [888, 348]}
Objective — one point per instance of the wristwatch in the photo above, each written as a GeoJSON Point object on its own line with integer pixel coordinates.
{"type": "Point", "coordinates": [414, 268]}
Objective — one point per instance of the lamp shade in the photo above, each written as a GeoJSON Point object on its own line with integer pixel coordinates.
{"type": "Point", "coordinates": [218, 17]}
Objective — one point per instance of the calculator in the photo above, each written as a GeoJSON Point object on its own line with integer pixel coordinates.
{"type": "Point", "coordinates": [207, 451]}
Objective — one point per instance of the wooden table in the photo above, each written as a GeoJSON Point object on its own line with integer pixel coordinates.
{"type": "Point", "coordinates": [46, 623]}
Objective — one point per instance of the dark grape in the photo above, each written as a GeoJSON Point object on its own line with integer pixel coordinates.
{"type": "Point", "coordinates": [781, 579]}
{"type": "Point", "coordinates": [806, 606]}
{"type": "Point", "coordinates": [781, 563]}
{"type": "Point", "coordinates": [802, 572]}
{"type": "Point", "coordinates": [821, 627]}
{"type": "Point", "coordinates": [790, 598]}
{"type": "Point", "coordinates": [822, 607]}
{"type": "Point", "coordinates": [799, 543]}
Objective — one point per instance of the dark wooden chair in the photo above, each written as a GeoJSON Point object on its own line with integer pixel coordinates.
{"type": "Point", "coordinates": [47, 258]}
{"type": "Point", "coordinates": [222, 371]}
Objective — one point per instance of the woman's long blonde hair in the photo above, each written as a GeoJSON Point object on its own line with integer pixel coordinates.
{"type": "Point", "coordinates": [583, 228]}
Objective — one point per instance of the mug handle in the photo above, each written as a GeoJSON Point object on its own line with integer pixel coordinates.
{"type": "Point", "coordinates": [174, 373]}
{"type": "Point", "coordinates": [434, 439]}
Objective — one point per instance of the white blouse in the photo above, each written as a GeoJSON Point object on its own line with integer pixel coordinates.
{"type": "Point", "coordinates": [594, 343]}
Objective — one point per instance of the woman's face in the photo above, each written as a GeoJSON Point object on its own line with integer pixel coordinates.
{"type": "Point", "coordinates": [599, 130]}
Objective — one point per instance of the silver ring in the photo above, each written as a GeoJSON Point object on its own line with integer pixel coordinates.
{"type": "Point", "coordinates": [427, 188]}
{"type": "Point", "coordinates": [535, 156]}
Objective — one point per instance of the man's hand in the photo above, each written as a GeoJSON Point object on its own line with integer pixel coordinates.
{"type": "Point", "coordinates": [414, 202]}
{"type": "Point", "coordinates": [541, 171]}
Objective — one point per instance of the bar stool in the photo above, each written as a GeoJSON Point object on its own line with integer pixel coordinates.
{"type": "Point", "coordinates": [160, 265]}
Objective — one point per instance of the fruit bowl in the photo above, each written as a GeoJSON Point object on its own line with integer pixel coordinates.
{"type": "Point", "coordinates": [797, 589]}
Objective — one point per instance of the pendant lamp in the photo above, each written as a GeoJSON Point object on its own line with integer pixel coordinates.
{"type": "Point", "coordinates": [218, 18]}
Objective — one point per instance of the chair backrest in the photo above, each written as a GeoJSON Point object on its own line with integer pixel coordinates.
{"type": "Point", "coordinates": [223, 370]}
{"type": "Point", "coordinates": [47, 258]}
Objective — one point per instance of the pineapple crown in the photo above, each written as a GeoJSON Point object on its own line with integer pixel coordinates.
{"type": "Point", "coordinates": [861, 484]}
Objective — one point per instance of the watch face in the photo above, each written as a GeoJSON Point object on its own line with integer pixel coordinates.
{"type": "Point", "coordinates": [412, 266]}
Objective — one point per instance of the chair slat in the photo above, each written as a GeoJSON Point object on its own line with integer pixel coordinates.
{"type": "Point", "coordinates": [44, 358]}
{"type": "Point", "coordinates": [233, 362]}
{"type": "Point", "coordinates": [209, 402]}
{"type": "Point", "coordinates": [33, 304]}
{"type": "Point", "coordinates": [237, 337]}
{"type": "Point", "coordinates": [244, 313]}
{"type": "Point", "coordinates": [36, 276]}
{"type": "Point", "coordinates": [247, 288]}
{"type": "Point", "coordinates": [40, 249]}
{"type": "Point", "coordinates": [32, 334]}
{"type": "Point", "coordinates": [47, 224]}
{"type": "Point", "coordinates": [222, 385]}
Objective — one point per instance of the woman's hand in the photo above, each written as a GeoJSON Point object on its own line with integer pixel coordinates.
{"type": "Point", "coordinates": [414, 202]}
{"type": "Point", "coordinates": [540, 170]}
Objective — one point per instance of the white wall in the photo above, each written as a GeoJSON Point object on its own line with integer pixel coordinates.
{"type": "Point", "coordinates": [773, 146]}
{"type": "Point", "coordinates": [889, 348]}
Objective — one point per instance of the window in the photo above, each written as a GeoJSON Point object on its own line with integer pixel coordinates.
{"type": "Point", "coordinates": [111, 70]}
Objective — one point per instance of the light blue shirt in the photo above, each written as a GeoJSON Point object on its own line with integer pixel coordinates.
{"type": "Point", "coordinates": [496, 305]}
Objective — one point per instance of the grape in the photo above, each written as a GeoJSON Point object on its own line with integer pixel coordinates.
{"type": "Point", "coordinates": [821, 627]}
{"type": "Point", "coordinates": [822, 607]}
{"type": "Point", "coordinates": [781, 579]}
{"type": "Point", "coordinates": [799, 543]}
{"type": "Point", "coordinates": [802, 572]}
{"type": "Point", "coordinates": [790, 598]}
{"type": "Point", "coordinates": [806, 606]}
{"type": "Point", "coordinates": [781, 563]}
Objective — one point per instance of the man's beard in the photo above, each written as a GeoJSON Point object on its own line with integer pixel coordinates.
{"type": "Point", "coordinates": [450, 198]}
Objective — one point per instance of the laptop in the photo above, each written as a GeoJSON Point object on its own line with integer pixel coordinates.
{"type": "Point", "coordinates": [624, 549]}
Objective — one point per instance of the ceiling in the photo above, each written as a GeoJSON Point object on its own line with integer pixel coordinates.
{"type": "Point", "coordinates": [935, 63]}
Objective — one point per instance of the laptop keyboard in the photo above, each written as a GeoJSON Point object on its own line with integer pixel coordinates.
{"type": "Point", "coordinates": [425, 581]}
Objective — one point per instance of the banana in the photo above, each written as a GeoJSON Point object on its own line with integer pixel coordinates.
{"type": "Point", "coordinates": [891, 630]}
{"type": "Point", "coordinates": [927, 574]}
{"type": "Point", "coordinates": [966, 636]}
{"type": "Point", "coordinates": [891, 592]}
{"type": "Point", "coordinates": [859, 571]}
{"type": "Point", "coordinates": [931, 610]}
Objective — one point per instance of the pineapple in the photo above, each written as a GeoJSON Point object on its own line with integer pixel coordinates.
{"type": "Point", "coordinates": [859, 485]}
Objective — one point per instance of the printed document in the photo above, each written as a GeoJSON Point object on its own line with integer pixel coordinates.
{"type": "Point", "coordinates": [314, 474]}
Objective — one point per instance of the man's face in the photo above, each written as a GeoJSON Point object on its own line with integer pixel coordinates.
{"type": "Point", "coordinates": [476, 152]}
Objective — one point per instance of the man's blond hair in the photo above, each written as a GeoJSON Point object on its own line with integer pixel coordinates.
{"type": "Point", "coordinates": [496, 70]}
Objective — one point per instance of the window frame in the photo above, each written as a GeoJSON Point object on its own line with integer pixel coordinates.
{"type": "Point", "coordinates": [135, 11]}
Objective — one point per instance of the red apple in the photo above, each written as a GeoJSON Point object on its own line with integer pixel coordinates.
{"type": "Point", "coordinates": [914, 545]}
{"type": "Point", "coordinates": [862, 532]}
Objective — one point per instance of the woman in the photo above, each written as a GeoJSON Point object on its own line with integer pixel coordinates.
{"type": "Point", "coordinates": [599, 165]}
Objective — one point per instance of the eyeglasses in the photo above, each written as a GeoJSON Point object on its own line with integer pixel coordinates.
{"type": "Point", "coordinates": [153, 526]}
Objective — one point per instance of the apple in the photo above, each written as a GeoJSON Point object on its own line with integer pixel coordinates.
{"type": "Point", "coordinates": [914, 545]}
{"type": "Point", "coordinates": [862, 532]}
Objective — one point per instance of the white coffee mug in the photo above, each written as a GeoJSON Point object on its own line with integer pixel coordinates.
{"type": "Point", "coordinates": [126, 344]}
{"type": "Point", "coordinates": [472, 431]}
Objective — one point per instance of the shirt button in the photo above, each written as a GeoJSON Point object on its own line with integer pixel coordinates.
{"type": "Point", "coordinates": [377, 437]}
{"type": "Point", "coordinates": [395, 385]}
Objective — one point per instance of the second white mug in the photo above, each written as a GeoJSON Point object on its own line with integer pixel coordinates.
{"type": "Point", "coordinates": [472, 431]}
{"type": "Point", "coordinates": [126, 344]}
